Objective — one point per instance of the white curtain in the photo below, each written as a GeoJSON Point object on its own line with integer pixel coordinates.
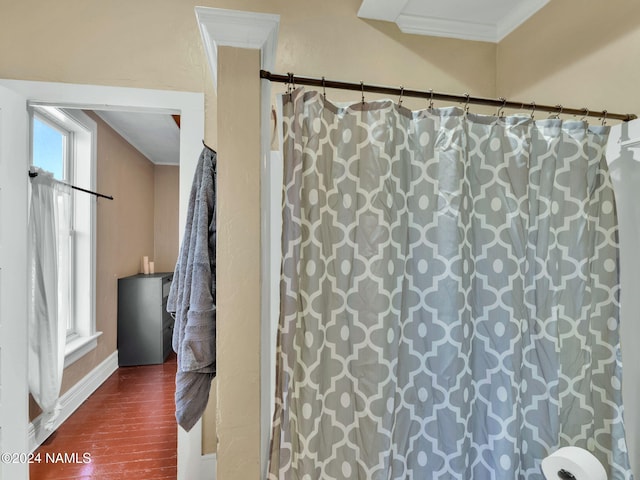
{"type": "Point", "coordinates": [49, 289]}
{"type": "Point", "coordinates": [449, 295]}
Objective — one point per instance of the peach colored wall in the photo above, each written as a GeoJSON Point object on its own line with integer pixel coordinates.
{"type": "Point", "coordinates": [166, 186]}
{"type": "Point", "coordinates": [125, 232]}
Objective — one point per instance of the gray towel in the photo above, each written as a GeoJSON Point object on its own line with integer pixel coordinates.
{"type": "Point", "coordinates": [192, 298]}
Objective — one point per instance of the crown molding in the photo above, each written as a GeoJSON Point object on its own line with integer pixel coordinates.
{"type": "Point", "coordinates": [439, 27]}
{"type": "Point", "coordinates": [233, 28]}
{"type": "Point", "coordinates": [381, 10]}
{"type": "Point", "coordinates": [494, 28]}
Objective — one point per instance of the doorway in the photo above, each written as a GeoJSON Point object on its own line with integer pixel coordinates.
{"type": "Point", "coordinates": [14, 162]}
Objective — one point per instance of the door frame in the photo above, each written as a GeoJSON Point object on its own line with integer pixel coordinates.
{"type": "Point", "coordinates": [190, 106]}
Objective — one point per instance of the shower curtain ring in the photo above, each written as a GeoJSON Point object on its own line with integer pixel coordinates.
{"type": "Point", "coordinates": [400, 99]}
{"type": "Point", "coordinates": [604, 118]}
{"type": "Point", "coordinates": [501, 109]}
{"type": "Point", "coordinates": [466, 104]}
{"type": "Point", "coordinates": [431, 99]}
{"type": "Point", "coordinates": [362, 90]}
{"type": "Point", "coordinates": [558, 113]}
{"type": "Point", "coordinates": [289, 83]}
{"type": "Point", "coordinates": [586, 114]}
{"type": "Point", "coordinates": [324, 89]}
{"type": "Point", "coordinates": [533, 109]}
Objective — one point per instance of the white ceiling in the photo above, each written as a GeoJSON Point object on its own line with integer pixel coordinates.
{"type": "Point", "coordinates": [484, 20]}
{"type": "Point", "coordinates": [154, 135]}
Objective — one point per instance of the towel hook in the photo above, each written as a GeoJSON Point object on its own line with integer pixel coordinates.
{"type": "Point", "coordinates": [400, 99]}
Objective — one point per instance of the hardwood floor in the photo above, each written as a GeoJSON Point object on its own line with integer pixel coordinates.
{"type": "Point", "coordinates": [126, 429]}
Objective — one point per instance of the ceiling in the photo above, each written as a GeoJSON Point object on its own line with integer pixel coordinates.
{"type": "Point", "coordinates": [483, 20]}
{"type": "Point", "coordinates": [154, 135]}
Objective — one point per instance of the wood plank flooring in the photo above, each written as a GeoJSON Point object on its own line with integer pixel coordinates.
{"type": "Point", "coordinates": [126, 429]}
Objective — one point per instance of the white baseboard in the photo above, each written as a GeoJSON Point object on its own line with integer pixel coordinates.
{"type": "Point", "coordinates": [73, 398]}
{"type": "Point", "coordinates": [208, 464]}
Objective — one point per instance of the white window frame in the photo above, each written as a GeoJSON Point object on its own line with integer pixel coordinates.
{"type": "Point", "coordinates": [53, 121]}
{"type": "Point", "coordinates": [81, 151]}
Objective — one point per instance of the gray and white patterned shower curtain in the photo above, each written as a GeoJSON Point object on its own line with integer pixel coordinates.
{"type": "Point", "coordinates": [449, 295]}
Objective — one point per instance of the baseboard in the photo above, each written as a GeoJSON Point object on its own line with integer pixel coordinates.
{"type": "Point", "coordinates": [73, 398]}
{"type": "Point", "coordinates": [208, 464]}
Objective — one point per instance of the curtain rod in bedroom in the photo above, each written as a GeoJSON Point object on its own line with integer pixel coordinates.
{"type": "Point", "coordinates": [501, 103]}
{"type": "Point", "coordinates": [108, 197]}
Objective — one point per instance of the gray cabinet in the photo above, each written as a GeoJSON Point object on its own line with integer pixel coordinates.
{"type": "Point", "coordinates": [144, 326]}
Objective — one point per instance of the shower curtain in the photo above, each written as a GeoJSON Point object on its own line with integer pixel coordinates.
{"type": "Point", "coordinates": [49, 250]}
{"type": "Point", "coordinates": [449, 295]}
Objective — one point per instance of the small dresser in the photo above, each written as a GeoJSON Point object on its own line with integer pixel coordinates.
{"type": "Point", "coordinates": [144, 326]}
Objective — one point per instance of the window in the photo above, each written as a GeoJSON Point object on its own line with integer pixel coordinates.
{"type": "Point", "coordinates": [64, 143]}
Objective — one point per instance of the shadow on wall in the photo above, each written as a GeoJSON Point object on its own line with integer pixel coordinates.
{"type": "Point", "coordinates": [471, 60]}
{"type": "Point", "coordinates": [624, 166]}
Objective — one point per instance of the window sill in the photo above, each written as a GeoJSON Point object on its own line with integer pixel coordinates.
{"type": "Point", "coordinates": [78, 346]}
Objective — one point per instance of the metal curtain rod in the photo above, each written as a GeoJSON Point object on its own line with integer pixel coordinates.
{"type": "Point", "coordinates": [108, 197]}
{"type": "Point", "coordinates": [502, 103]}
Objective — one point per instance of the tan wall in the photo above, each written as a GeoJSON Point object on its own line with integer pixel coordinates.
{"type": "Point", "coordinates": [156, 44]}
{"type": "Point", "coordinates": [166, 196]}
{"type": "Point", "coordinates": [238, 264]}
{"type": "Point", "coordinates": [575, 52]}
{"type": "Point", "coordinates": [579, 53]}
{"type": "Point", "coordinates": [128, 228]}
{"type": "Point", "coordinates": [125, 233]}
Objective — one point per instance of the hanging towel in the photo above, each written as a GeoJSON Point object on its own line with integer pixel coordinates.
{"type": "Point", "coordinates": [192, 297]}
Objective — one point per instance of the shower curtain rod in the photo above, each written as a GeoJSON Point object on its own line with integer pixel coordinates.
{"type": "Point", "coordinates": [108, 197]}
{"type": "Point", "coordinates": [502, 103]}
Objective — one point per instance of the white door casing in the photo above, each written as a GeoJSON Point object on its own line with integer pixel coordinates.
{"type": "Point", "coordinates": [14, 141]}
{"type": "Point", "coordinates": [14, 163]}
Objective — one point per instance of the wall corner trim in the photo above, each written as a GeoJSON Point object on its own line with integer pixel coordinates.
{"type": "Point", "coordinates": [234, 28]}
